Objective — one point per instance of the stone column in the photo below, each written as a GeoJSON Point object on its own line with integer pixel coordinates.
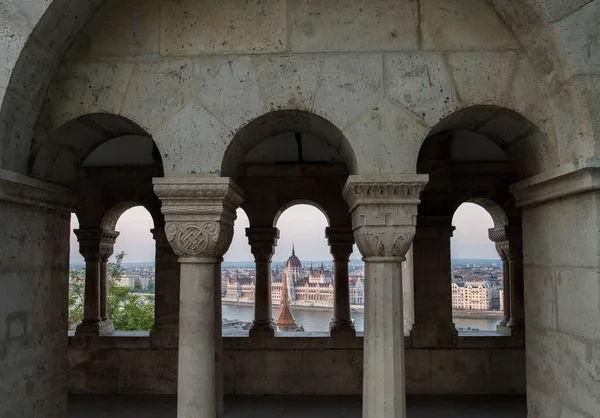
{"type": "Point", "coordinates": [498, 237]}
{"type": "Point", "coordinates": [384, 210]}
{"type": "Point", "coordinates": [433, 326]}
{"type": "Point", "coordinates": [341, 241]}
{"type": "Point", "coordinates": [165, 332]}
{"type": "Point", "coordinates": [96, 245]}
{"type": "Point", "coordinates": [262, 242]}
{"type": "Point", "coordinates": [199, 215]}
{"type": "Point", "coordinates": [509, 246]}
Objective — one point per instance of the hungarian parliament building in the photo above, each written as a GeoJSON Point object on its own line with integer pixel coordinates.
{"type": "Point", "coordinates": [305, 287]}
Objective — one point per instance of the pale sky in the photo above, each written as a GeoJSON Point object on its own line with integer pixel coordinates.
{"type": "Point", "coordinates": [301, 225]}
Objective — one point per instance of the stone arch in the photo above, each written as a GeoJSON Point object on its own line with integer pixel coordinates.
{"type": "Point", "coordinates": [282, 121]}
{"type": "Point", "coordinates": [497, 213]}
{"type": "Point", "coordinates": [112, 215]}
{"type": "Point", "coordinates": [300, 202]}
{"type": "Point", "coordinates": [529, 149]}
{"type": "Point", "coordinates": [58, 160]}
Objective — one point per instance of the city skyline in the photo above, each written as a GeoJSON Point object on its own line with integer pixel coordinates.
{"type": "Point", "coordinates": [302, 226]}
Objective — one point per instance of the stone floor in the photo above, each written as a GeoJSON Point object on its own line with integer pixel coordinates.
{"type": "Point", "coordinates": [152, 406]}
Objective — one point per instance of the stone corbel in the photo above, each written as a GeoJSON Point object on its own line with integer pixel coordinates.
{"type": "Point", "coordinates": [199, 215]}
{"type": "Point", "coordinates": [384, 211]}
{"type": "Point", "coordinates": [341, 241]}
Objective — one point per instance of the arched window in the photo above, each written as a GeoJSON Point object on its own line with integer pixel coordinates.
{"type": "Point", "coordinates": [476, 281]}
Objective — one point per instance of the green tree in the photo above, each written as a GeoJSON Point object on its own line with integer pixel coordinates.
{"type": "Point", "coordinates": [127, 308]}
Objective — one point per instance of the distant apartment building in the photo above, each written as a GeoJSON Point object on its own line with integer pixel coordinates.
{"type": "Point", "coordinates": [477, 296]}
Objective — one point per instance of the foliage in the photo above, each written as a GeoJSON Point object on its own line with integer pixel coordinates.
{"type": "Point", "coordinates": [128, 309]}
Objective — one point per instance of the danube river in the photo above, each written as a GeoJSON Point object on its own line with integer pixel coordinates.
{"type": "Point", "coordinates": [313, 320]}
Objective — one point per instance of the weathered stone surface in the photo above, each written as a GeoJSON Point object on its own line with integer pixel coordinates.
{"type": "Point", "coordinates": [157, 91]}
{"type": "Point", "coordinates": [228, 89]}
{"type": "Point", "coordinates": [287, 82]}
{"type": "Point", "coordinates": [421, 83]}
{"type": "Point", "coordinates": [190, 27]}
{"type": "Point", "coordinates": [460, 371]}
{"type": "Point", "coordinates": [581, 319]}
{"type": "Point", "coordinates": [262, 372]}
{"type": "Point", "coordinates": [581, 34]}
{"type": "Point", "coordinates": [33, 343]}
{"type": "Point", "coordinates": [81, 89]}
{"type": "Point", "coordinates": [335, 372]}
{"type": "Point", "coordinates": [347, 86]}
{"type": "Point", "coordinates": [459, 25]}
{"type": "Point", "coordinates": [120, 28]}
{"type": "Point", "coordinates": [558, 9]}
{"type": "Point", "coordinates": [334, 26]}
{"type": "Point", "coordinates": [483, 77]}
{"type": "Point", "coordinates": [540, 296]}
{"type": "Point", "coordinates": [386, 139]}
{"type": "Point", "coordinates": [200, 134]}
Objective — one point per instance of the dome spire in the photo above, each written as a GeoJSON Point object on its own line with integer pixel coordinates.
{"type": "Point", "coordinates": [293, 250]}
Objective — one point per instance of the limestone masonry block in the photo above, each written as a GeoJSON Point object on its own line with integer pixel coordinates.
{"type": "Point", "coordinates": [287, 82]}
{"type": "Point", "coordinates": [132, 31]}
{"type": "Point", "coordinates": [482, 77]}
{"type": "Point", "coordinates": [339, 25]}
{"type": "Point", "coordinates": [581, 34]}
{"type": "Point", "coordinates": [421, 84]}
{"type": "Point", "coordinates": [228, 89]}
{"type": "Point", "coordinates": [386, 139]}
{"type": "Point", "coordinates": [158, 91]}
{"type": "Point", "coordinates": [191, 27]}
{"type": "Point", "coordinates": [347, 86]}
{"type": "Point", "coordinates": [193, 141]}
{"type": "Point", "coordinates": [463, 25]}
{"type": "Point", "coordinates": [81, 89]}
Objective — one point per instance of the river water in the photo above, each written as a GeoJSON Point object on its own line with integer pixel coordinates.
{"type": "Point", "coordinates": [319, 320]}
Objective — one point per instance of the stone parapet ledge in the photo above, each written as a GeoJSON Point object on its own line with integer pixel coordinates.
{"type": "Point", "coordinates": [19, 189]}
{"type": "Point", "coordinates": [571, 179]}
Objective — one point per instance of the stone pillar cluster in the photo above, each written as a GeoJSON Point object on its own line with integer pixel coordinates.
{"type": "Point", "coordinates": [384, 213]}
{"type": "Point", "coordinates": [433, 326]}
{"type": "Point", "coordinates": [96, 246]}
{"type": "Point", "coordinates": [199, 215]}
{"type": "Point", "coordinates": [509, 245]}
{"type": "Point", "coordinates": [262, 242]}
{"type": "Point", "coordinates": [341, 240]}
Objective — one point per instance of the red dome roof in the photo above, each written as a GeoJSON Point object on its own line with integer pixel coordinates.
{"type": "Point", "coordinates": [293, 261]}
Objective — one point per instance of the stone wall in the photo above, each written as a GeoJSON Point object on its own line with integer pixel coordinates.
{"type": "Point", "coordinates": [278, 366]}
{"type": "Point", "coordinates": [34, 245]}
{"type": "Point", "coordinates": [561, 250]}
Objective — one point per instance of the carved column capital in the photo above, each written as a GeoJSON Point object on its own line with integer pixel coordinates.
{"type": "Point", "coordinates": [199, 215]}
{"type": "Point", "coordinates": [96, 243]}
{"type": "Point", "coordinates": [508, 241]}
{"type": "Point", "coordinates": [340, 240]}
{"type": "Point", "coordinates": [262, 242]}
{"type": "Point", "coordinates": [384, 210]}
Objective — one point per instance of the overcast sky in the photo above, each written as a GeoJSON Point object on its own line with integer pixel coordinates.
{"type": "Point", "coordinates": [301, 225]}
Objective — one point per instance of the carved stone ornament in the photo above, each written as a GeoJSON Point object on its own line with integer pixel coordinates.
{"type": "Point", "coordinates": [341, 240]}
{"type": "Point", "coordinates": [384, 210]}
{"type": "Point", "coordinates": [96, 243]}
{"type": "Point", "coordinates": [508, 240]}
{"type": "Point", "coordinates": [199, 214]}
{"type": "Point", "coordinates": [262, 242]}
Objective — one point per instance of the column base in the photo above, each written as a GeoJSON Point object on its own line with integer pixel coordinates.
{"type": "Point", "coordinates": [517, 328]}
{"type": "Point", "coordinates": [262, 330]}
{"type": "Point", "coordinates": [95, 329]}
{"type": "Point", "coordinates": [503, 329]}
{"type": "Point", "coordinates": [165, 336]}
{"type": "Point", "coordinates": [433, 335]}
{"type": "Point", "coordinates": [342, 329]}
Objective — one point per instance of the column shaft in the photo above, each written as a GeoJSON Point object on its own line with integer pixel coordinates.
{"type": "Point", "coordinates": [91, 309]}
{"type": "Point", "coordinates": [433, 326]}
{"type": "Point", "coordinates": [507, 293]}
{"type": "Point", "coordinates": [262, 296]}
{"type": "Point", "coordinates": [517, 313]}
{"type": "Point", "coordinates": [341, 300]}
{"type": "Point", "coordinates": [197, 374]}
{"type": "Point", "coordinates": [383, 392]}
{"type": "Point", "coordinates": [218, 341]}
{"type": "Point", "coordinates": [104, 288]}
